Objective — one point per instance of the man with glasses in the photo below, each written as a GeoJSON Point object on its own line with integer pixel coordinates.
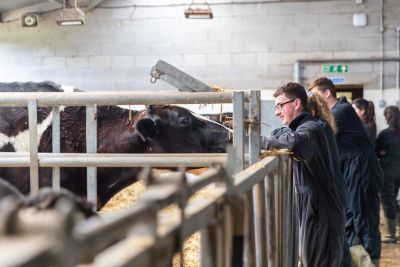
{"type": "Point", "coordinates": [320, 210]}
{"type": "Point", "coordinates": [363, 176]}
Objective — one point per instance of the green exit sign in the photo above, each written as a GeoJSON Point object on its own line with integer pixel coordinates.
{"type": "Point", "coordinates": [335, 68]}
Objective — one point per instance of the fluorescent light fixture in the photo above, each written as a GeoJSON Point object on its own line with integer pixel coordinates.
{"type": "Point", "coordinates": [71, 16]}
{"type": "Point", "coordinates": [198, 13]}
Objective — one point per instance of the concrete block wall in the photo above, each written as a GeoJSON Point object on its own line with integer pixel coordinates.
{"type": "Point", "coordinates": [251, 45]}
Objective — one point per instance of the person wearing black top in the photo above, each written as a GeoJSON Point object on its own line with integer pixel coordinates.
{"type": "Point", "coordinates": [366, 112]}
{"type": "Point", "coordinates": [320, 211]}
{"type": "Point", "coordinates": [388, 150]}
{"type": "Point", "coordinates": [363, 176]}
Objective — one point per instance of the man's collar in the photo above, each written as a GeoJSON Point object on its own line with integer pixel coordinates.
{"type": "Point", "coordinates": [304, 115]}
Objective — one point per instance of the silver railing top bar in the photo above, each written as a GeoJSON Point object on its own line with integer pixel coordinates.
{"type": "Point", "coordinates": [114, 98]}
{"type": "Point", "coordinates": [11, 159]}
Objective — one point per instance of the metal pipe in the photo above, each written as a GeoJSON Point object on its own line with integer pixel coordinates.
{"type": "Point", "coordinates": [381, 29]}
{"type": "Point", "coordinates": [238, 129]}
{"type": "Point", "coordinates": [33, 146]}
{"type": "Point", "coordinates": [7, 159]}
{"type": "Point", "coordinates": [91, 147]}
{"type": "Point", "coordinates": [115, 98]}
{"type": "Point", "coordinates": [298, 63]}
{"type": "Point", "coordinates": [344, 60]}
{"type": "Point", "coordinates": [56, 182]}
{"type": "Point", "coordinates": [398, 65]}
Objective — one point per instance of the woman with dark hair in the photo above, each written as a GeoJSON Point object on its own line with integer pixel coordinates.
{"type": "Point", "coordinates": [388, 150]}
{"type": "Point", "coordinates": [366, 112]}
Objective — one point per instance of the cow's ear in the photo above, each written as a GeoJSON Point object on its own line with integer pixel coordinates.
{"type": "Point", "coordinates": [146, 128]}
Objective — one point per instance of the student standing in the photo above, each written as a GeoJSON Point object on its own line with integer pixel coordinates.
{"type": "Point", "coordinates": [320, 211]}
{"type": "Point", "coordinates": [388, 150]}
{"type": "Point", "coordinates": [366, 112]}
{"type": "Point", "coordinates": [362, 173]}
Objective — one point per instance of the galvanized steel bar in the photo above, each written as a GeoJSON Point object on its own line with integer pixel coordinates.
{"type": "Point", "coordinates": [245, 180]}
{"type": "Point", "coordinates": [33, 146]}
{"type": "Point", "coordinates": [8, 159]}
{"type": "Point", "coordinates": [249, 238]}
{"type": "Point", "coordinates": [263, 221]}
{"type": "Point", "coordinates": [238, 129]}
{"type": "Point", "coordinates": [271, 228]}
{"type": "Point", "coordinates": [98, 234]}
{"type": "Point", "coordinates": [206, 248]}
{"type": "Point", "coordinates": [254, 152]}
{"type": "Point", "coordinates": [285, 207]}
{"type": "Point", "coordinates": [91, 147]}
{"type": "Point", "coordinates": [56, 145]}
{"type": "Point", "coordinates": [114, 98]}
{"type": "Point", "coordinates": [278, 216]}
{"type": "Point", "coordinates": [254, 126]}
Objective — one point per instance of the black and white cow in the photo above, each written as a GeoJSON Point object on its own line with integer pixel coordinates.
{"type": "Point", "coordinates": [157, 129]}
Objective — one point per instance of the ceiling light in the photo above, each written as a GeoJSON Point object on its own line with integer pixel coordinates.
{"type": "Point", "coordinates": [198, 12]}
{"type": "Point", "coordinates": [71, 16]}
{"type": "Point", "coordinates": [29, 20]}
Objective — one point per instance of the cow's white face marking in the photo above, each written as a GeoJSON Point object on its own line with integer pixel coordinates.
{"type": "Point", "coordinates": [20, 142]}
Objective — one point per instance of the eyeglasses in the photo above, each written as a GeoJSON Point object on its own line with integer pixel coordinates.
{"type": "Point", "coordinates": [279, 106]}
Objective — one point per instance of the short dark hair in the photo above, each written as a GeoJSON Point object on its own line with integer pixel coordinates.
{"type": "Point", "coordinates": [293, 91]}
{"type": "Point", "coordinates": [324, 84]}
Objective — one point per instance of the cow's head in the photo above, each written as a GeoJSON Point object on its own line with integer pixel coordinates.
{"type": "Point", "coordinates": [175, 129]}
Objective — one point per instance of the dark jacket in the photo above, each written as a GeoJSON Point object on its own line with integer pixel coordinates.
{"type": "Point", "coordinates": [388, 141]}
{"type": "Point", "coordinates": [320, 211]}
{"type": "Point", "coordinates": [363, 178]}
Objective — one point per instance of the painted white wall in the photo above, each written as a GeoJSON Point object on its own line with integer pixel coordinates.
{"type": "Point", "coordinates": [245, 46]}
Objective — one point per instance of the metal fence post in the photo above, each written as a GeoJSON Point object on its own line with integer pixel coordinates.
{"type": "Point", "coordinates": [271, 227]}
{"type": "Point", "coordinates": [254, 153]}
{"type": "Point", "coordinates": [91, 147]}
{"type": "Point", "coordinates": [56, 183]}
{"type": "Point", "coordinates": [33, 146]}
{"type": "Point", "coordinates": [238, 129]}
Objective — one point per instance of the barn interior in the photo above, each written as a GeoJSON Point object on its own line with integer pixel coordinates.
{"type": "Point", "coordinates": [222, 45]}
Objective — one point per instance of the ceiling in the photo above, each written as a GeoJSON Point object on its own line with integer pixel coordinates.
{"type": "Point", "coordinates": [11, 10]}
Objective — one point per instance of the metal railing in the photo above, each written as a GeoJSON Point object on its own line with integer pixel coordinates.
{"type": "Point", "coordinates": [90, 160]}
{"type": "Point", "coordinates": [257, 201]}
{"type": "Point", "coordinates": [141, 236]}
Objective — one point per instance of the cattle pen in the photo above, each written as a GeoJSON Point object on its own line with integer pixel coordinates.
{"type": "Point", "coordinates": [248, 197]}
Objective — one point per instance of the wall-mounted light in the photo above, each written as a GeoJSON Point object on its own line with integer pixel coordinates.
{"type": "Point", "coordinates": [71, 16]}
{"type": "Point", "coordinates": [360, 19]}
{"type": "Point", "coordinates": [29, 20]}
{"type": "Point", "coordinates": [198, 12]}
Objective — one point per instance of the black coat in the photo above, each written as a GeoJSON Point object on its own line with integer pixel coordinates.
{"type": "Point", "coordinates": [388, 140]}
{"type": "Point", "coordinates": [363, 178]}
{"type": "Point", "coordinates": [319, 206]}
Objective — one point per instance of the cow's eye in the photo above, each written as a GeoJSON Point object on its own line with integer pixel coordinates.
{"type": "Point", "coordinates": [184, 121]}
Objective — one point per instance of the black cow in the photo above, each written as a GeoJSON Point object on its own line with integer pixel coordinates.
{"type": "Point", "coordinates": [46, 86]}
{"type": "Point", "coordinates": [158, 129]}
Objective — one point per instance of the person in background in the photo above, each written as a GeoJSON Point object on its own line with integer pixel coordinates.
{"type": "Point", "coordinates": [366, 112]}
{"type": "Point", "coordinates": [321, 112]}
{"type": "Point", "coordinates": [388, 150]}
{"type": "Point", "coordinates": [320, 212]}
{"type": "Point", "coordinates": [362, 174]}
